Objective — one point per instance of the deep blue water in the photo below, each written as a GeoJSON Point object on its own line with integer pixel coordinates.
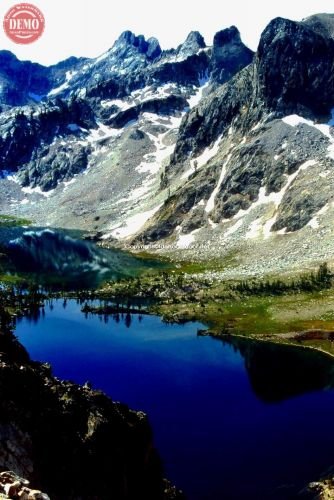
{"type": "Point", "coordinates": [230, 421]}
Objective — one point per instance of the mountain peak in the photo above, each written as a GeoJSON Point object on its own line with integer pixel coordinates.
{"type": "Point", "coordinates": [7, 56]}
{"type": "Point", "coordinates": [230, 54]}
{"type": "Point", "coordinates": [227, 36]}
{"type": "Point", "coordinates": [302, 83]}
{"type": "Point", "coordinates": [323, 24]}
{"type": "Point", "coordinates": [192, 44]}
{"type": "Point", "coordinates": [151, 47]}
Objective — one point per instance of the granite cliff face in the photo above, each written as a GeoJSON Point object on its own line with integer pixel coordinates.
{"type": "Point", "coordinates": [295, 67]}
{"type": "Point", "coordinates": [253, 150]}
{"type": "Point", "coordinates": [208, 145]}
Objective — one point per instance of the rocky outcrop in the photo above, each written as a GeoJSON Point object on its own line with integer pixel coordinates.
{"type": "Point", "coordinates": [71, 441]}
{"type": "Point", "coordinates": [12, 486]}
{"type": "Point", "coordinates": [27, 129]}
{"type": "Point", "coordinates": [32, 141]}
{"type": "Point", "coordinates": [182, 70]}
{"type": "Point", "coordinates": [128, 42]}
{"type": "Point", "coordinates": [20, 81]}
{"type": "Point", "coordinates": [56, 164]}
{"type": "Point", "coordinates": [213, 116]}
{"type": "Point", "coordinates": [182, 208]}
{"type": "Point", "coordinates": [291, 74]}
{"type": "Point", "coordinates": [294, 67]}
{"type": "Point", "coordinates": [24, 82]}
{"type": "Point", "coordinates": [166, 106]}
{"type": "Point", "coordinates": [193, 44]}
{"type": "Point", "coordinates": [255, 165]}
{"type": "Point", "coordinates": [117, 72]}
{"type": "Point", "coordinates": [229, 55]}
{"type": "Point", "coordinates": [323, 24]}
{"type": "Point", "coordinates": [319, 490]}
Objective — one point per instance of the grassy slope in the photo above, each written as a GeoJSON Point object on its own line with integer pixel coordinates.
{"type": "Point", "coordinates": [223, 311]}
{"type": "Point", "coordinates": [263, 317]}
{"type": "Point", "coordinates": [11, 221]}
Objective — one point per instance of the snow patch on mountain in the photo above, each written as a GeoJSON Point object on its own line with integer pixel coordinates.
{"type": "Point", "coordinates": [68, 77]}
{"type": "Point", "coordinates": [152, 162]}
{"type": "Point", "coordinates": [324, 128]}
{"type": "Point", "coordinates": [103, 132]}
{"type": "Point", "coordinates": [202, 159]}
{"type": "Point", "coordinates": [195, 99]}
{"type": "Point", "coordinates": [273, 197]}
{"type": "Point", "coordinates": [119, 103]}
{"type": "Point", "coordinates": [132, 225]}
{"type": "Point", "coordinates": [37, 190]}
{"type": "Point", "coordinates": [211, 201]}
{"type": "Point", "coordinates": [148, 93]}
{"type": "Point", "coordinates": [69, 183]}
{"type": "Point", "coordinates": [186, 240]}
{"type": "Point", "coordinates": [254, 229]}
{"type": "Point", "coordinates": [314, 222]}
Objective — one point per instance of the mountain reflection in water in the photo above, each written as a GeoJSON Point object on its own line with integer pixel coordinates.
{"type": "Point", "coordinates": [62, 260]}
{"type": "Point", "coordinates": [232, 419]}
{"type": "Point", "coordinates": [277, 372]}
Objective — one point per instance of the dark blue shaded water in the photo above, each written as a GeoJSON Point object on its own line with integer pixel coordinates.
{"type": "Point", "coordinates": [230, 421]}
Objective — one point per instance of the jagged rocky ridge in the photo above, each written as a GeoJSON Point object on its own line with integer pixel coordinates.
{"type": "Point", "coordinates": [193, 145]}
{"type": "Point", "coordinates": [24, 82]}
{"type": "Point", "coordinates": [108, 124]}
{"type": "Point", "coordinates": [253, 150]}
{"type": "Point", "coordinates": [292, 74]}
{"type": "Point", "coordinates": [69, 440]}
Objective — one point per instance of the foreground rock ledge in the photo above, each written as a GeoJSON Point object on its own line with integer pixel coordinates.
{"type": "Point", "coordinates": [319, 490]}
{"type": "Point", "coordinates": [13, 486]}
{"type": "Point", "coordinates": [71, 441]}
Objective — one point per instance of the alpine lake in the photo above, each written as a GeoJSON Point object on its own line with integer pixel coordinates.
{"type": "Point", "coordinates": [232, 418]}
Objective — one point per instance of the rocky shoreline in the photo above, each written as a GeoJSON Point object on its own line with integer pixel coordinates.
{"type": "Point", "coordinates": [75, 443]}
{"type": "Point", "coordinates": [320, 490]}
{"type": "Point", "coordinates": [69, 440]}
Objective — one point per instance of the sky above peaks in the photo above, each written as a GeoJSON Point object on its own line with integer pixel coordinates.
{"type": "Point", "coordinates": [89, 27]}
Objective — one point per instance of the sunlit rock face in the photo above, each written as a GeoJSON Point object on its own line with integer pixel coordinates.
{"type": "Point", "coordinates": [201, 143]}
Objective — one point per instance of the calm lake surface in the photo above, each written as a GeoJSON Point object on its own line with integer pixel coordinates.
{"type": "Point", "coordinates": [230, 421]}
